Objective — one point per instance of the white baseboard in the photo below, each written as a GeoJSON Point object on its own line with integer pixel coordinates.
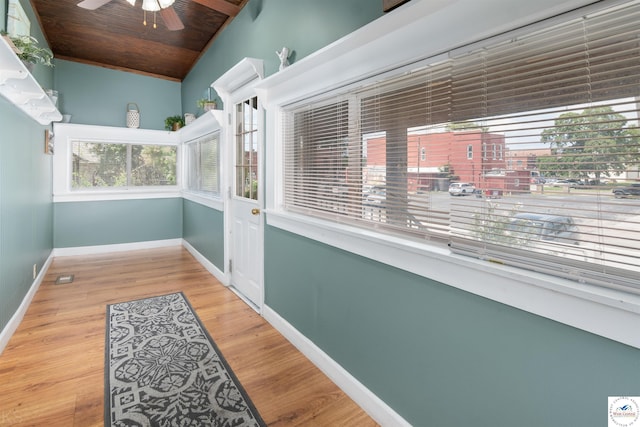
{"type": "Point", "coordinates": [211, 268]}
{"type": "Point", "coordinates": [369, 402]}
{"type": "Point", "coordinates": [120, 247]}
{"type": "Point", "coordinates": [14, 322]}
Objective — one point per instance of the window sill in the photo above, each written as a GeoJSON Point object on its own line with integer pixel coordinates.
{"type": "Point", "coordinates": [143, 193]}
{"type": "Point", "coordinates": [605, 312]}
{"type": "Point", "coordinates": [212, 202]}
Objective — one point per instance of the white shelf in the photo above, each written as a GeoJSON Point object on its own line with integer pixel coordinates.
{"type": "Point", "coordinates": [21, 88]}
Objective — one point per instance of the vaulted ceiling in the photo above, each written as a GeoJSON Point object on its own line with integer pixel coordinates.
{"type": "Point", "coordinates": [114, 36]}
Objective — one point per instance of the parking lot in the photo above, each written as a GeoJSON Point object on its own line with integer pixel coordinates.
{"type": "Point", "coordinates": [603, 220]}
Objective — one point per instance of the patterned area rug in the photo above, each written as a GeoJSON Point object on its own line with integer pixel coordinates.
{"type": "Point", "coordinates": [163, 369]}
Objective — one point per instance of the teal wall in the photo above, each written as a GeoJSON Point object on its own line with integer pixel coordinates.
{"type": "Point", "coordinates": [25, 206]}
{"type": "Point", "coordinates": [116, 222]}
{"type": "Point", "coordinates": [203, 228]}
{"type": "Point", "coordinates": [26, 214]}
{"type": "Point", "coordinates": [99, 96]}
{"type": "Point", "coordinates": [265, 26]}
{"type": "Point", "coordinates": [440, 356]}
{"type": "Point", "coordinates": [437, 355]}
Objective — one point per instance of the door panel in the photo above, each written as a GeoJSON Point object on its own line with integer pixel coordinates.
{"type": "Point", "coordinates": [246, 233]}
{"type": "Point", "coordinates": [246, 241]}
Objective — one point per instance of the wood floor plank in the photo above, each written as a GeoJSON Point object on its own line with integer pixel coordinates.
{"type": "Point", "coordinates": [52, 370]}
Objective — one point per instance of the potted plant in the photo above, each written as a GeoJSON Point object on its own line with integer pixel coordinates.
{"type": "Point", "coordinates": [27, 49]}
{"type": "Point", "coordinates": [173, 122]}
{"type": "Point", "coordinates": [207, 104]}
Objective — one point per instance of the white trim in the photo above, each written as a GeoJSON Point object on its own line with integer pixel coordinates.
{"type": "Point", "coordinates": [365, 398]}
{"type": "Point", "coordinates": [601, 311]}
{"type": "Point", "coordinates": [65, 133]}
{"type": "Point", "coordinates": [207, 123]}
{"type": "Point", "coordinates": [119, 247]}
{"type": "Point", "coordinates": [14, 322]}
{"type": "Point", "coordinates": [213, 202]}
{"type": "Point", "coordinates": [133, 194]}
{"type": "Point", "coordinates": [208, 265]}
{"type": "Point", "coordinates": [239, 76]}
{"type": "Point", "coordinates": [21, 89]}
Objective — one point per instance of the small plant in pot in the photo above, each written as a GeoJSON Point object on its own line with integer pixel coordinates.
{"type": "Point", "coordinates": [27, 49]}
{"type": "Point", "coordinates": [207, 104]}
{"type": "Point", "coordinates": [173, 122]}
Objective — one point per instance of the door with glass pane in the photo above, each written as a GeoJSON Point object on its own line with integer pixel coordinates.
{"type": "Point", "coordinates": [246, 235]}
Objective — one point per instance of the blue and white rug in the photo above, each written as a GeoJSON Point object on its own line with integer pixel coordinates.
{"type": "Point", "coordinates": [163, 369]}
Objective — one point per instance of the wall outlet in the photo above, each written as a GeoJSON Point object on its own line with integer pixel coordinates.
{"type": "Point", "coordinates": [35, 271]}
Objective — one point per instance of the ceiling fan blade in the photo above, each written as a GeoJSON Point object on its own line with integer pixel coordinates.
{"type": "Point", "coordinates": [92, 4]}
{"type": "Point", "coordinates": [171, 19]}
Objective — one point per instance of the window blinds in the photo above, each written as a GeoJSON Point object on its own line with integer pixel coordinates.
{"type": "Point", "coordinates": [203, 167]}
{"type": "Point", "coordinates": [541, 133]}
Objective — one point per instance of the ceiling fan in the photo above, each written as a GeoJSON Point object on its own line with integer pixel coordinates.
{"type": "Point", "coordinates": [165, 7]}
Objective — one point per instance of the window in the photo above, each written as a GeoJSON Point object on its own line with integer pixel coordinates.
{"type": "Point", "coordinates": [470, 152]}
{"type": "Point", "coordinates": [203, 164]}
{"type": "Point", "coordinates": [110, 165]}
{"type": "Point", "coordinates": [569, 91]}
{"type": "Point", "coordinates": [423, 154]}
{"type": "Point", "coordinates": [246, 168]}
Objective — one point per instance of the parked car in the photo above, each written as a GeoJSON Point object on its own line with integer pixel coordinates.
{"type": "Point", "coordinates": [461, 189]}
{"type": "Point", "coordinates": [571, 183]}
{"type": "Point", "coordinates": [632, 190]}
{"type": "Point", "coordinates": [376, 197]}
{"type": "Point", "coordinates": [542, 227]}
{"type": "Point", "coordinates": [489, 193]}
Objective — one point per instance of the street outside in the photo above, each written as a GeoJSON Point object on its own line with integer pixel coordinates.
{"type": "Point", "coordinates": [609, 228]}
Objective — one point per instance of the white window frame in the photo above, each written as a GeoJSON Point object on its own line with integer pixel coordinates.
{"type": "Point", "coordinates": [66, 134]}
{"type": "Point", "coordinates": [207, 123]}
{"type": "Point", "coordinates": [355, 60]}
{"type": "Point", "coordinates": [191, 164]}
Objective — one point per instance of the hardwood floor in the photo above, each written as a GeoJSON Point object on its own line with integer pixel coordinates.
{"type": "Point", "coordinates": [52, 370]}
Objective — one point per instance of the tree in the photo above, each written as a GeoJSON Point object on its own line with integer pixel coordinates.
{"type": "Point", "coordinates": [592, 143]}
{"type": "Point", "coordinates": [466, 126]}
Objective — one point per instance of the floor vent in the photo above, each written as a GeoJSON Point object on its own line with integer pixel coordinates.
{"type": "Point", "coordinates": [64, 279]}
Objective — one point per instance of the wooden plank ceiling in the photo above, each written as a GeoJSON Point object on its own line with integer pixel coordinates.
{"type": "Point", "coordinates": [114, 35]}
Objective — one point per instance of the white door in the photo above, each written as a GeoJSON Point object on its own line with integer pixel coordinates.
{"type": "Point", "coordinates": [246, 226]}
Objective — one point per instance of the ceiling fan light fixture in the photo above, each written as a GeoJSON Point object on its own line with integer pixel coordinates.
{"type": "Point", "coordinates": [150, 5]}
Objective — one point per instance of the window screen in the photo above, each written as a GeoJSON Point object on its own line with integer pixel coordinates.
{"type": "Point", "coordinates": [554, 116]}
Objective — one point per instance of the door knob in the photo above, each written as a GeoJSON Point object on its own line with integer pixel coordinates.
{"type": "Point", "coordinates": [255, 211]}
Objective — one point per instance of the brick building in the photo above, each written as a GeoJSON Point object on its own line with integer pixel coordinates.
{"type": "Point", "coordinates": [435, 159]}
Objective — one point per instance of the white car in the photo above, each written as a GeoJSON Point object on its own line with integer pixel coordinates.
{"type": "Point", "coordinates": [461, 188]}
